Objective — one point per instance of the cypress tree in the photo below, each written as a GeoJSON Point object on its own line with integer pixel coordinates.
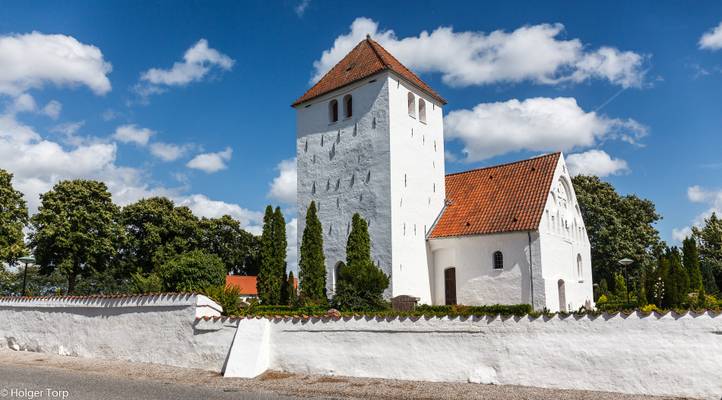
{"type": "Point", "coordinates": [268, 282]}
{"type": "Point", "coordinates": [361, 284]}
{"type": "Point", "coordinates": [312, 263]}
{"type": "Point", "coordinates": [681, 277]}
{"type": "Point", "coordinates": [280, 243]}
{"type": "Point", "coordinates": [291, 292]}
{"type": "Point", "coordinates": [690, 255]}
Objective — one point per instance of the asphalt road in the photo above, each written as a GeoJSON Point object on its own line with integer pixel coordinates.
{"type": "Point", "coordinates": [32, 383]}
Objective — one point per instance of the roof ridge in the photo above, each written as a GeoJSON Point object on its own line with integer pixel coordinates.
{"type": "Point", "coordinates": [505, 164]}
{"type": "Point", "coordinates": [370, 43]}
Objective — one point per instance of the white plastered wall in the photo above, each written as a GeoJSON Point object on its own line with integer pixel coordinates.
{"type": "Point", "coordinates": [563, 239]}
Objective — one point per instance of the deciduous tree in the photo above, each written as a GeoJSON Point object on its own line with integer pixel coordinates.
{"type": "Point", "coordinates": [13, 218]}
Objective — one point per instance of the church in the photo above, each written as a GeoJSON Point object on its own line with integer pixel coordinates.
{"type": "Point", "coordinates": [370, 140]}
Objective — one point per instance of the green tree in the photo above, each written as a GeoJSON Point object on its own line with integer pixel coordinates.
{"type": "Point", "coordinates": [709, 239]}
{"type": "Point", "coordinates": [690, 257]}
{"type": "Point", "coordinates": [620, 287]}
{"type": "Point", "coordinates": [192, 272]}
{"type": "Point", "coordinates": [360, 284]}
{"type": "Point", "coordinates": [156, 231]}
{"type": "Point", "coordinates": [225, 238]}
{"type": "Point", "coordinates": [618, 227]}
{"type": "Point", "coordinates": [272, 271]}
{"type": "Point", "coordinates": [312, 263]}
{"type": "Point", "coordinates": [76, 230]}
{"type": "Point", "coordinates": [13, 218]}
{"type": "Point", "coordinates": [288, 290]}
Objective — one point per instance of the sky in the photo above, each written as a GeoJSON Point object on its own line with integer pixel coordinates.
{"type": "Point", "coordinates": [191, 99]}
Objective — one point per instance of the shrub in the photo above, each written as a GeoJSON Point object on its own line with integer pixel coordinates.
{"type": "Point", "coordinates": [192, 272]}
{"type": "Point", "coordinates": [602, 299]}
{"type": "Point", "coordinates": [227, 297]}
{"type": "Point", "coordinates": [651, 308]}
{"type": "Point", "coordinates": [150, 283]}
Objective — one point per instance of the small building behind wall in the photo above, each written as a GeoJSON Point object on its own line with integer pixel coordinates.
{"type": "Point", "coordinates": [512, 234]}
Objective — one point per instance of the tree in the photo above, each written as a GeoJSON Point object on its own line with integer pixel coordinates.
{"type": "Point", "coordinates": [75, 230]}
{"type": "Point", "coordinates": [156, 231]}
{"type": "Point", "coordinates": [288, 291]}
{"type": "Point", "coordinates": [272, 271]}
{"type": "Point", "coordinates": [360, 284]}
{"type": "Point", "coordinates": [192, 272]}
{"type": "Point", "coordinates": [237, 248]}
{"type": "Point", "coordinates": [618, 227]}
{"type": "Point", "coordinates": [13, 218]}
{"type": "Point", "coordinates": [312, 263]}
{"type": "Point", "coordinates": [709, 239]}
{"type": "Point", "coordinates": [690, 258]}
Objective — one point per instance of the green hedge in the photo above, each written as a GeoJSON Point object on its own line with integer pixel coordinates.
{"type": "Point", "coordinates": [422, 310]}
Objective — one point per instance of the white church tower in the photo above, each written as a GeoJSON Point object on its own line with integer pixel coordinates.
{"type": "Point", "coordinates": [370, 140]}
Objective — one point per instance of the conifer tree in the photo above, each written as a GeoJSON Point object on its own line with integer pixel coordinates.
{"type": "Point", "coordinates": [361, 284]}
{"type": "Point", "coordinates": [690, 255]}
{"type": "Point", "coordinates": [290, 293]}
{"type": "Point", "coordinates": [280, 243]}
{"type": "Point", "coordinates": [312, 263]}
{"type": "Point", "coordinates": [268, 284]}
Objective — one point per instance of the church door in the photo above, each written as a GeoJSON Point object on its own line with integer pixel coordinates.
{"type": "Point", "coordinates": [562, 296]}
{"type": "Point", "coordinates": [450, 286]}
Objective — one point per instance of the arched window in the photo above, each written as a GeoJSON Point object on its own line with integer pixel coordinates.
{"type": "Point", "coordinates": [412, 105]}
{"type": "Point", "coordinates": [333, 111]}
{"type": "Point", "coordinates": [347, 106]}
{"type": "Point", "coordinates": [580, 274]}
{"type": "Point", "coordinates": [422, 110]}
{"type": "Point", "coordinates": [498, 260]}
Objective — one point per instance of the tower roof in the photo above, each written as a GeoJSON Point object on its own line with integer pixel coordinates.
{"type": "Point", "coordinates": [366, 59]}
{"type": "Point", "coordinates": [503, 198]}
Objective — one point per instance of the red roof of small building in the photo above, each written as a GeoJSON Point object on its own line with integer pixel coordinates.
{"type": "Point", "coordinates": [366, 59]}
{"type": "Point", "coordinates": [503, 198]}
{"type": "Point", "coordinates": [247, 284]}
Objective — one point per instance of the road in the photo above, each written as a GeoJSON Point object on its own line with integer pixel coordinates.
{"type": "Point", "coordinates": [31, 383]}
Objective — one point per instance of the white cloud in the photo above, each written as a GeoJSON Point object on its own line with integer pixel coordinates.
{"type": "Point", "coordinates": [301, 7]}
{"type": "Point", "coordinates": [29, 61]}
{"type": "Point", "coordinates": [712, 40]}
{"type": "Point", "coordinates": [283, 187]}
{"type": "Point", "coordinates": [197, 62]}
{"type": "Point", "coordinates": [168, 151]}
{"type": "Point", "coordinates": [291, 247]}
{"type": "Point", "coordinates": [202, 206]}
{"type": "Point", "coordinates": [531, 53]}
{"type": "Point", "coordinates": [535, 124]}
{"type": "Point", "coordinates": [22, 103]}
{"type": "Point", "coordinates": [133, 134]}
{"type": "Point", "coordinates": [52, 109]}
{"type": "Point", "coordinates": [211, 162]}
{"type": "Point", "coordinates": [698, 194]}
{"type": "Point", "coordinates": [595, 162]}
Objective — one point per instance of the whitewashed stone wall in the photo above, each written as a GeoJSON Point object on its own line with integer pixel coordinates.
{"type": "Point", "coordinates": [160, 329]}
{"type": "Point", "coordinates": [659, 355]}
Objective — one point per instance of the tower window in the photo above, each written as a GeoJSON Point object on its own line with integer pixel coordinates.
{"type": "Point", "coordinates": [422, 110]}
{"type": "Point", "coordinates": [498, 260]}
{"type": "Point", "coordinates": [347, 106]}
{"type": "Point", "coordinates": [412, 105]}
{"type": "Point", "coordinates": [333, 111]}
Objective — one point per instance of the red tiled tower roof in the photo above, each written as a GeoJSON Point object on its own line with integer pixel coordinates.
{"type": "Point", "coordinates": [503, 198]}
{"type": "Point", "coordinates": [366, 59]}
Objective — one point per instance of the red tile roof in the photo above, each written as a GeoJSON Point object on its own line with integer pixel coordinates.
{"type": "Point", "coordinates": [366, 59]}
{"type": "Point", "coordinates": [503, 198]}
{"type": "Point", "coordinates": [247, 284]}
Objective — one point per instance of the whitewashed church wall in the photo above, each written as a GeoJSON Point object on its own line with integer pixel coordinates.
{"type": "Point", "coordinates": [477, 282]}
{"type": "Point", "coordinates": [417, 185]}
{"type": "Point", "coordinates": [344, 166]}
{"type": "Point", "coordinates": [161, 329]}
{"type": "Point", "coordinates": [654, 355]}
{"type": "Point", "coordinates": [564, 242]}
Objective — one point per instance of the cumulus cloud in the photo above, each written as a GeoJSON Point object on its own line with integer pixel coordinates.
{"type": "Point", "coordinates": [168, 151]}
{"type": "Point", "coordinates": [535, 124]}
{"type": "Point", "coordinates": [291, 248]}
{"type": "Point", "coordinates": [283, 186]}
{"type": "Point", "coordinates": [133, 134]}
{"type": "Point", "coordinates": [595, 162]}
{"type": "Point", "coordinates": [533, 53]}
{"type": "Point", "coordinates": [52, 109]}
{"type": "Point", "coordinates": [197, 63]}
{"type": "Point", "coordinates": [29, 61]}
{"type": "Point", "coordinates": [712, 40]}
{"type": "Point", "coordinates": [211, 162]}
{"type": "Point", "coordinates": [202, 206]}
{"type": "Point", "coordinates": [697, 194]}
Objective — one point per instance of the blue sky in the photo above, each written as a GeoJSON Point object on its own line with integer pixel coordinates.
{"type": "Point", "coordinates": [192, 99]}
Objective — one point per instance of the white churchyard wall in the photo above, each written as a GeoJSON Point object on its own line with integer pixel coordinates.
{"type": "Point", "coordinates": [160, 329]}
